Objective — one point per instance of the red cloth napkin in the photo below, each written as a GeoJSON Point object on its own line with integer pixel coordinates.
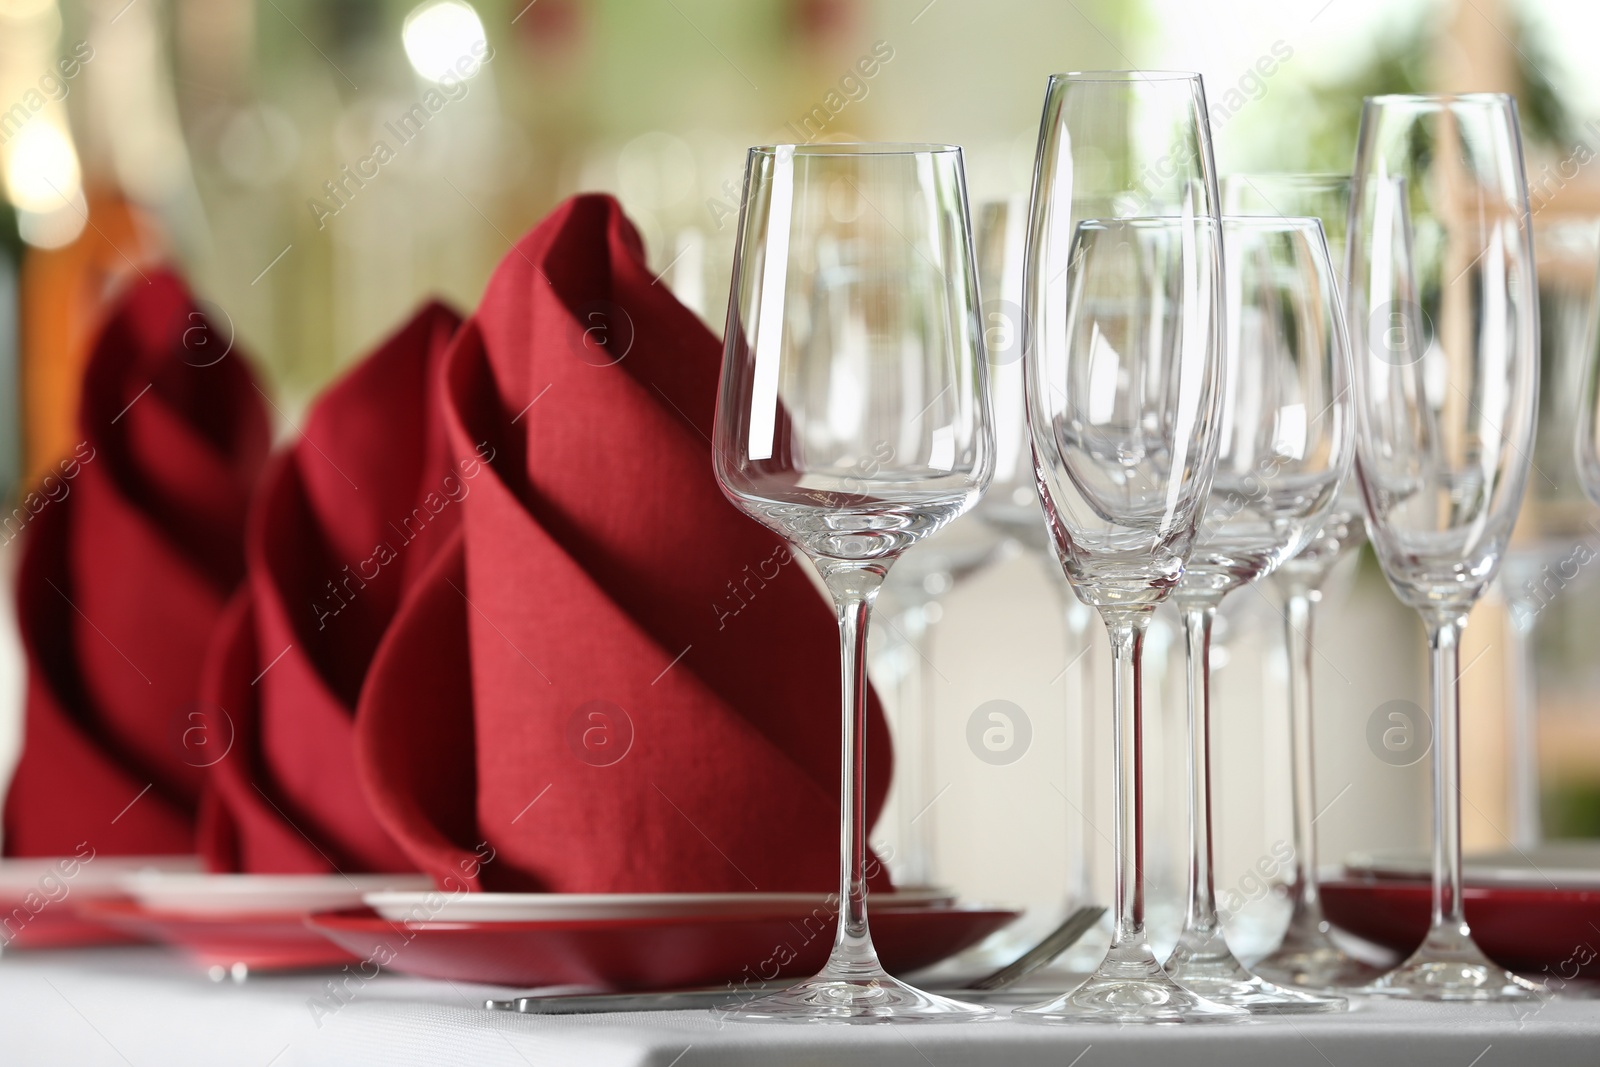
{"type": "Point", "coordinates": [133, 546]}
{"type": "Point", "coordinates": [615, 682]}
{"type": "Point", "coordinates": [343, 523]}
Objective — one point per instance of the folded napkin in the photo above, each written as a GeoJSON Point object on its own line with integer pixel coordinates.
{"type": "Point", "coordinates": [343, 523]}
{"type": "Point", "coordinates": [133, 545]}
{"type": "Point", "coordinates": [613, 681]}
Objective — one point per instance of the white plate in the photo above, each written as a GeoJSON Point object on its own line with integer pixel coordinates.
{"type": "Point", "coordinates": [99, 876]}
{"type": "Point", "coordinates": [257, 894]}
{"type": "Point", "coordinates": [1565, 865]}
{"type": "Point", "coordinates": [441, 906]}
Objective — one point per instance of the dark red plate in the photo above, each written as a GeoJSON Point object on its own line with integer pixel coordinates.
{"type": "Point", "coordinates": [643, 954]}
{"type": "Point", "coordinates": [1526, 929]}
{"type": "Point", "coordinates": [277, 941]}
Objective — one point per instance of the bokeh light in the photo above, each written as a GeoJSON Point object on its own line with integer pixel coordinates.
{"type": "Point", "coordinates": [439, 33]}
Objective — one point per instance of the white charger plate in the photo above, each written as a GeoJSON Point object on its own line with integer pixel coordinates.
{"type": "Point", "coordinates": [97, 877]}
{"type": "Point", "coordinates": [258, 894]}
{"type": "Point", "coordinates": [440, 906]}
{"type": "Point", "coordinates": [1562, 864]}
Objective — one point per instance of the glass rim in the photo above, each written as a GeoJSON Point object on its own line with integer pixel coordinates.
{"type": "Point", "coordinates": [1439, 100]}
{"type": "Point", "coordinates": [1153, 221]}
{"type": "Point", "coordinates": [1286, 223]}
{"type": "Point", "coordinates": [1299, 177]}
{"type": "Point", "coordinates": [858, 148]}
{"type": "Point", "coordinates": [1118, 76]}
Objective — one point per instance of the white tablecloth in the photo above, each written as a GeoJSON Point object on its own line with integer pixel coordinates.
{"type": "Point", "coordinates": [145, 1006]}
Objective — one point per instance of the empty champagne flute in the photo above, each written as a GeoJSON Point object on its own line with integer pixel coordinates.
{"type": "Point", "coordinates": [1287, 439]}
{"type": "Point", "coordinates": [1307, 956]}
{"type": "Point", "coordinates": [1443, 305]}
{"type": "Point", "coordinates": [1123, 370]}
{"type": "Point", "coordinates": [852, 419]}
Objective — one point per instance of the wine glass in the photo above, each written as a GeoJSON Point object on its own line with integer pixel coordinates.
{"type": "Point", "coordinates": [1286, 445]}
{"type": "Point", "coordinates": [852, 419]}
{"type": "Point", "coordinates": [1307, 956]}
{"type": "Point", "coordinates": [1442, 301]}
{"type": "Point", "coordinates": [911, 606]}
{"type": "Point", "coordinates": [1010, 508]}
{"type": "Point", "coordinates": [1123, 370]}
{"type": "Point", "coordinates": [1551, 527]}
{"type": "Point", "coordinates": [1586, 454]}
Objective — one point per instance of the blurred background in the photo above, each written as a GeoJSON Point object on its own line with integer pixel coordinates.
{"type": "Point", "coordinates": [318, 167]}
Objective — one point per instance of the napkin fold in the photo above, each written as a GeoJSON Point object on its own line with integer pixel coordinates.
{"type": "Point", "coordinates": [612, 681]}
{"type": "Point", "coordinates": [344, 522]}
{"type": "Point", "coordinates": [133, 545]}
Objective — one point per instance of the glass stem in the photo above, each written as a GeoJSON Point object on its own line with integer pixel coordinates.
{"type": "Point", "coordinates": [913, 745]}
{"type": "Point", "coordinates": [1444, 645]}
{"type": "Point", "coordinates": [1198, 617]}
{"type": "Point", "coordinates": [1526, 830]}
{"type": "Point", "coordinates": [1079, 752]}
{"type": "Point", "coordinates": [1302, 766]}
{"type": "Point", "coordinates": [922, 822]}
{"type": "Point", "coordinates": [854, 586]}
{"type": "Point", "coordinates": [1127, 629]}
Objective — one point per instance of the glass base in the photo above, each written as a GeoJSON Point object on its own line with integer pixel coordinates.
{"type": "Point", "coordinates": [1450, 966]}
{"type": "Point", "coordinates": [863, 999]}
{"type": "Point", "coordinates": [1129, 987]}
{"type": "Point", "coordinates": [1203, 962]}
{"type": "Point", "coordinates": [1308, 958]}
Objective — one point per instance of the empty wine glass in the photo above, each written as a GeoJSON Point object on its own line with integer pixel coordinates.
{"type": "Point", "coordinates": [852, 419]}
{"type": "Point", "coordinates": [911, 606]}
{"type": "Point", "coordinates": [1011, 506]}
{"type": "Point", "coordinates": [1586, 455]}
{"type": "Point", "coordinates": [1122, 351]}
{"type": "Point", "coordinates": [1442, 303]}
{"type": "Point", "coordinates": [1307, 956]}
{"type": "Point", "coordinates": [1552, 526]}
{"type": "Point", "coordinates": [1287, 439]}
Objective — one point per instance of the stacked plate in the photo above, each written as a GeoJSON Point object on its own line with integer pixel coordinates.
{"type": "Point", "coordinates": [642, 941]}
{"type": "Point", "coordinates": [42, 900]}
{"type": "Point", "coordinates": [232, 924]}
{"type": "Point", "coordinates": [1534, 910]}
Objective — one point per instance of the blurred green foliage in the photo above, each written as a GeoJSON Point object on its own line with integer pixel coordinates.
{"type": "Point", "coordinates": [1320, 134]}
{"type": "Point", "coordinates": [1571, 809]}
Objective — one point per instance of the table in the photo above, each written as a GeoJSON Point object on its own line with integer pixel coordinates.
{"type": "Point", "coordinates": [146, 1006]}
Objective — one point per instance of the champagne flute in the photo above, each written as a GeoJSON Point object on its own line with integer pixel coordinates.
{"type": "Point", "coordinates": [1307, 956]}
{"type": "Point", "coordinates": [1286, 447]}
{"type": "Point", "coordinates": [852, 419]}
{"type": "Point", "coordinates": [1123, 371]}
{"type": "Point", "coordinates": [1442, 301]}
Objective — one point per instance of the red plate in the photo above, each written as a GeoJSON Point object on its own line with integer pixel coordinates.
{"type": "Point", "coordinates": [277, 941]}
{"type": "Point", "coordinates": [643, 954]}
{"type": "Point", "coordinates": [1525, 929]}
{"type": "Point", "coordinates": [55, 926]}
